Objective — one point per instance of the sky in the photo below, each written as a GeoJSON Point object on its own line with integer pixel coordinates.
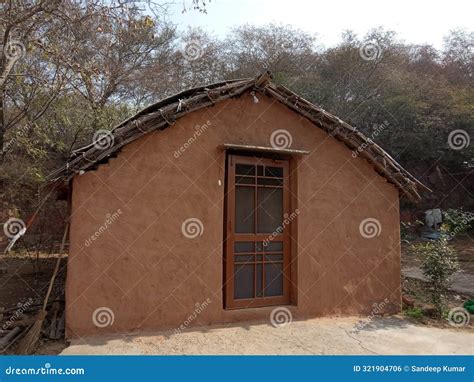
{"type": "Point", "coordinates": [415, 21]}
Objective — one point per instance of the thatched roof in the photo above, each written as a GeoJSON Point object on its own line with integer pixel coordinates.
{"type": "Point", "coordinates": [162, 114]}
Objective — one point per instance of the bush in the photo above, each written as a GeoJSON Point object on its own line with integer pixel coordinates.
{"type": "Point", "coordinates": [414, 312]}
{"type": "Point", "coordinates": [439, 263]}
{"type": "Point", "coordinates": [456, 221]}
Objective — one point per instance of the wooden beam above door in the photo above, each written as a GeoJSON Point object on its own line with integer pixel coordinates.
{"type": "Point", "coordinates": [262, 149]}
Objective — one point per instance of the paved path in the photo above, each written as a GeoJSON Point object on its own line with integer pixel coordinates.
{"type": "Point", "coordinates": [462, 282]}
{"type": "Point", "coordinates": [392, 335]}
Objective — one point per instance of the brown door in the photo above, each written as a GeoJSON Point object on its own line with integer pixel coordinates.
{"type": "Point", "coordinates": [257, 261]}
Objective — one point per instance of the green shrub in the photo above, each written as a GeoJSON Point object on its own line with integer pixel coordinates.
{"type": "Point", "coordinates": [456, 221]}
{"type": "Point", "coordinates": [414, 312]}
{"type": "Point", "coordinates": [439, 263]}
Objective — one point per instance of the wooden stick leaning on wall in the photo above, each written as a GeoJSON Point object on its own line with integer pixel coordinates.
{"type": "Point", "coordinates": [29, 342]}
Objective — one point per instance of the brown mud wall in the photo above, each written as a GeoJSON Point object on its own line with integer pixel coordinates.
{"type": "Point", "coordinates": [142, 269]}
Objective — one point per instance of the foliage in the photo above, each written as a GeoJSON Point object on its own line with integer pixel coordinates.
{"type": "Point", "coordinates": [439, 263]}
{"type": "Point", "coordinates": [414, 312]}
{"type": "Point", "coordinates": [456, 221]}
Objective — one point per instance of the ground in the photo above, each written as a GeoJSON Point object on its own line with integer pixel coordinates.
{"type": "Point", "coordinates": [329, 335]}
{"type": "Point", "coordinates": [24, 280]}
{"type": "Point", "coordinates": [24, 277]}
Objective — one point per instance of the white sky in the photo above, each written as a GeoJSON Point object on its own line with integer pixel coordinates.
{"type": "Point", "coordinates": [415, 21]}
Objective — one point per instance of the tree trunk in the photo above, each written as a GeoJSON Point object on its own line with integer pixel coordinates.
{"type": "Point", "coordinates": [2, 124]}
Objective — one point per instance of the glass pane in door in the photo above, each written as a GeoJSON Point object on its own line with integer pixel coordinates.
{"type": "Point", "coordinates": [269, 209]}
{"type": "Point", "coordinates": [244, 209]}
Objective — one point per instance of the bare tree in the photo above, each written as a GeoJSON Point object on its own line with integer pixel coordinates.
{"type": "Point", "coordinates": [22, 22]}
{"type": "Point", "coordinates": [93, 48]}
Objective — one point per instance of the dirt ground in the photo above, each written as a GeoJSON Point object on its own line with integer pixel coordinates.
{"type": "Point", "coordinates": [24, 280]}
{"type": "Point", "coordinates": [329, 335]}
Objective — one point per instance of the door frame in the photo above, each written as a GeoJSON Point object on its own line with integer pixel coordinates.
{"type": "Point", "coordinates": [230, 237]}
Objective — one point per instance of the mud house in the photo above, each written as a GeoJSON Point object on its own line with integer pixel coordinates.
{"type": "Point", "coordinates": [224, 202]}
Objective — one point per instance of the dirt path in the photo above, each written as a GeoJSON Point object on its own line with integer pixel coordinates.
{"type": "Point", "coordinates": [391, 335]}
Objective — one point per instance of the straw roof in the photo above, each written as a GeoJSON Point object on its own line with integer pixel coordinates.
{"type": "Point", "coordinates": [164, 113]}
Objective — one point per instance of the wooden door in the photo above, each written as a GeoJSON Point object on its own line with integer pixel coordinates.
{"type": "Point", "coordinates": [257, 259]}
